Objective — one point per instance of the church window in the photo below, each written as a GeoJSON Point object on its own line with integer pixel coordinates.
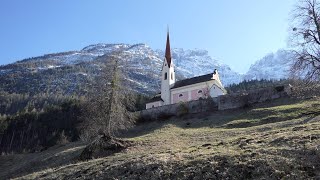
{"type": "Point", "coordinates": [180, 95]}
{"type": "Point", "coordinates": [165, 76]}
{"type": "Point", "coordinates": [200, 91]}
{"type": "Point", "coordinates": [171, 76]}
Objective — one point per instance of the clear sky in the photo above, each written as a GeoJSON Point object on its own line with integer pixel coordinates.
{"type": "Point", "coordinates": [237, 32]}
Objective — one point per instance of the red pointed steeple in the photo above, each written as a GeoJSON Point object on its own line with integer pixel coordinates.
{"type": "Point", "coordinates": [168, 51]}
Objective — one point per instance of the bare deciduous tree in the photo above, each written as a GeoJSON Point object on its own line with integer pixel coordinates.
{"type": "Point", "coordinates": [108, 110]}
{"type": "Point", "coordinates": [305, 38]}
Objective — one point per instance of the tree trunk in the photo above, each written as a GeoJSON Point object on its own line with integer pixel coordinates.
{"type": "Point", "coordinates": [11, 140]}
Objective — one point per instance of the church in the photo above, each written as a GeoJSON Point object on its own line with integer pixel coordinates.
{"type": "Point", "coordinates": [173, 91]}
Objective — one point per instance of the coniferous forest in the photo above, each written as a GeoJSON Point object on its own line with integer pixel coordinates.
{"type": "Point", "coordinates": [35, 122]}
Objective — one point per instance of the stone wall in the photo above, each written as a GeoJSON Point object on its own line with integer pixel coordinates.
{"type": "Point", "coordinates": [229, 101]}
{"type": "Point", "coordinates": [201, 105]}
{"type": "Point", "coordinates": [232, 101]}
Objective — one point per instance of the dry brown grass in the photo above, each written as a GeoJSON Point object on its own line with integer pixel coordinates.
{"type": "Point", "coordinates": [14, 165]}
{"type": "Point", "coordinates": [275, 140]}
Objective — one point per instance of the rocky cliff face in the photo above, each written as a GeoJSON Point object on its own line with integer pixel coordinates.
{"type": "Point", "coordinates": [74, 71]}
{"type": "Point", "coordinates": [197, 62]}
{"type": "Point", "coordinates": [272, 66]}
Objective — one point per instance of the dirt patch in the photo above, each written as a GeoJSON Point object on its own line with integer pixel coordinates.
{"type": "Point", "coordinates": [104, 146]}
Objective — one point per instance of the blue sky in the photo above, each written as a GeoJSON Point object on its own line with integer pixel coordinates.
{"type": "Point", "coordinates": [237, 32]}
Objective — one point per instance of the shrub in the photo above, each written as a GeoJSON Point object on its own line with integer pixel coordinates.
{"type": "Point", "coordinates": [63, 139]}
{"type": "Point", "coordinates": [182, 109]}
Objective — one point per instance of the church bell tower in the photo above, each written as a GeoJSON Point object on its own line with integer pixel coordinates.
{"type": "Point", "coordinates": [168, 77]}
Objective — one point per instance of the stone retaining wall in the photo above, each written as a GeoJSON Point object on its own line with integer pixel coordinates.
{"type": "Point", "coordinates": [178, 109]}
{"type": "Point", "coordinates": [229, 101]}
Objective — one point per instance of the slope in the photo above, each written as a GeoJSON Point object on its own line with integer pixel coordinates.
{"type": "Point", "coordinates": [272, 140]}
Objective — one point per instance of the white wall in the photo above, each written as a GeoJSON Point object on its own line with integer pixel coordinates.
{"type": "Point", "coordinates": [166, 84]}
{"type": "Point", "coordinates": [154, 104]}
{"type": "Point", "coordinates": [215, 91]}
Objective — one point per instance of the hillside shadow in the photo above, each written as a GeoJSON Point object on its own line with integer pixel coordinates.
{"type": "Point", "coordinates": [17, 165]}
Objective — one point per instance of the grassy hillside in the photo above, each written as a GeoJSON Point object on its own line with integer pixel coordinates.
{"type": "Point", "coordinates": [273, 140]}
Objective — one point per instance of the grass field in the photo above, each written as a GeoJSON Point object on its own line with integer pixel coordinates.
{"type": "Point", "coordinates": [272, 140]}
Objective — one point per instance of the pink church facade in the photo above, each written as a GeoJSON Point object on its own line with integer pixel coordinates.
{"type": "Point", "coordinates": [191, 89]}
{"type": "Point", "coordinates": [189, 94]}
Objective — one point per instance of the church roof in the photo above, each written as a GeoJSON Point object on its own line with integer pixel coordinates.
{"type": "Point", "coordinates": [168, 51]}
{"type": "Point", "coordinates": [194, 80]}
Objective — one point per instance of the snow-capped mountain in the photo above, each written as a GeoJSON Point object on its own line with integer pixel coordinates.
{"type": "Point", "coordinates": [197, 62]}
{"type": "Point", "coordinates": [74, 71]}
{"type": "Point", "coordinates": [272, 66]}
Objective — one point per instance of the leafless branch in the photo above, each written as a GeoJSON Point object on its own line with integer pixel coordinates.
{"type": "Point", "coordinates": [305, 38]}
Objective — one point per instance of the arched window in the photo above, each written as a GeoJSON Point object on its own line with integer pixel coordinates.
{"type": "Point", "coordinates": [152, 106]}
{"type": "Point", "coordinates": [165, 76]}
{"type": "Point", "coordinates": [200, 91]}
{"type": "Point", "coordinates": [180, 95]}
{"type": "Point", "coordinates": [171, 76]}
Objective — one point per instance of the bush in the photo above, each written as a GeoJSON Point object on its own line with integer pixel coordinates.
{"type": "Point", "coordinates": [182, 109]}
{"type": "Point", "coordinates": [63, 139]}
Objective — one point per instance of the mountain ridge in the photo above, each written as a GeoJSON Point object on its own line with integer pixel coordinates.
{"type": "Point", "coordinates": [78, 68]}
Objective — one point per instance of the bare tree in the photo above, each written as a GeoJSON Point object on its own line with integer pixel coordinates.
{"type": "Point", "coordinates": [305, 38]}
{"type": "Point", "coordinates": [108, 110]}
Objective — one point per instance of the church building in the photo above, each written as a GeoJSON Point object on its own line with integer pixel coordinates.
{"type": "Point", "coordinates": [173, 91]}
